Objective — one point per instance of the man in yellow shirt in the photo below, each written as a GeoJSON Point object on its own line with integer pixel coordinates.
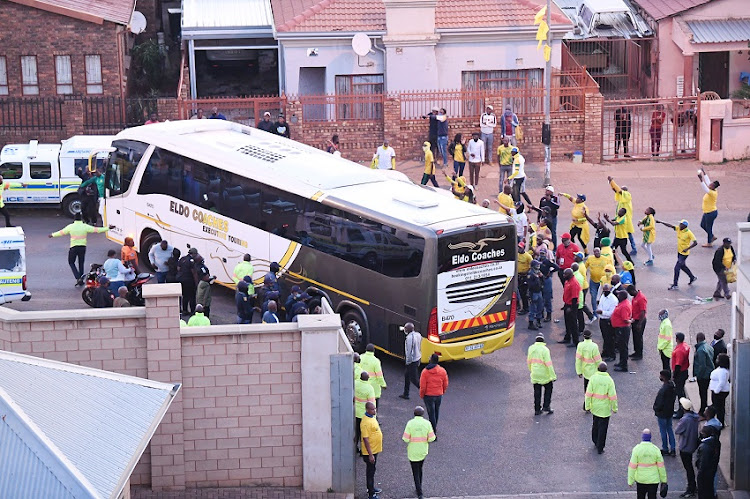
{"type": "Point", "coordinates": [624, 199]}
{"type": "Point", "coordinates": [710, 212]}
{"type": "Point", "coordinates": [372, 445]}
{"type": "Point", "coordinates": [648, 227]}
{"type": "Point", "coordinates": [685, 242]}
{"type": "Point", "coordinates": [724, 258]}
{"type": "Point", "coordinates": [523, 265]}
{"type": "Point", "coordinates": [620, 223]}
{"type": "Point", "coordinates": [429, 166]}
{"type": "Point", "coordinates": [505, 160]}
{"type": "Point", "coordinates": [505, 200]}
{"type": "Point", "coordinates": [596, 264]}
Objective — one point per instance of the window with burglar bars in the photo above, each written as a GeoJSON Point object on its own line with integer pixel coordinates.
{"type": "Point", "coordinates": [29, 76]}
{"type": "Point", "coordinates": [94, 74]}
{"type": "Point", "coordinates": [63, 75]}
{"type": "Point", "coordinates": [3, 76]}
{"type": "Point", "coordinates": [351, 85]}
{"type": "Point", "coordinates": [498, 80]}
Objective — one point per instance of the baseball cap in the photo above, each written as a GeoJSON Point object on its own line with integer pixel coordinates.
{"type": "Point", "coordinates": [550, 188]}
{"type": "Point", "coordinates": [606, 241]}
{"type": "Point", "coordinates": [686, 404]}
{"type": "Point", "coordinates": [295, 289]}
{"type": "Point", "coordinates": [193, 251]}
{"type": "Point", "coordinates": [727, 240]}
{"type": "Point", "coordinates": [579, 255]}
{"type": "Point", "coordinates": [426, 144]}
{"type": "Point", "coordinates": [582, 196]}
{"type": "Point", "coordinates": [266, 114]}
{"type": "Point", "coordinates": [627, 265]}
{"type": "Point", "coordinates": [535, 264]}
{"type": "Point", "coordinates": [566, 235]}
{"type": "Point", "coordinates": [515, 149]}
{"type": "Point", "coordinates": [684, 222]}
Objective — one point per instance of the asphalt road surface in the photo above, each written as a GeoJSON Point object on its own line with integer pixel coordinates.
{"type": "Point", "coordinates": [490, 442]}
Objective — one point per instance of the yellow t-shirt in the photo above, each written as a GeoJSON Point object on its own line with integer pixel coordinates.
{"type": "Point", "coordinates": [458, 153]}
{"type": "Point", "coordinates": [578, 214]}
{"type": "Point", "coordinates": [648, 226]}
{"type": "Point", "coordinates": [505, 199]}
{"type": "Point", "coordinates": [684, 240]}
{"type": "Point", "coordinates": [621, 227]}
{"type": "Point", "coordinates": [371, 431]}
{"type": "Point", "coordinates": [726, 260]}
{"type": "Point", "coordinates": [582, 270]}
{"type": "Point", "coordinates": [429, 163]}
{"type": "Point", "coordinates": [596, 266]}
{"type": "Point", "coordinates": [524, 262]}
{"type": "Point", "coordinates": [709, 201]}
{"type": "Point", "coordinates": [506, 159]}
{"type": "Point", "coordinates": [607, 253]}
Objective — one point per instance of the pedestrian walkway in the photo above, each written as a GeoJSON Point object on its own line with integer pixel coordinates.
{"type": "Point", "coordinates": [234, 493]}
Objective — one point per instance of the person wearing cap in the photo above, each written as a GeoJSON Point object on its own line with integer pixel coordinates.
{"type": "Point", "coordinates": [433, 128]}
{"type": "Point", "coordinates": [607, 252]}
{"type": "Point", "coordinates": [648, 227]}
{"type": "Point", "coordinates": [199, 318]}
{"type": "Point", "coordinates": [663, 407]}
{"type": "Point", "coordinates": [685, 242]}
{"type": "Point", "coordinates": [601, 401]}
{"type": "Point", "coordinates": [621, 320]}
{"type": "Point", "coordinates": [243, 268]}
{"type": "Point", "coordinates": [102, 297]}
{"type": "Point", "coordinates": [429, 166]}
{"type": "Point", "coordinates": [281, 127]}
{"type": "Point", "coordinates": [266, 124]}
{"type": "Point", "coordinates": [299, 307]}
{"type": "Point", "coordinates": [272, 274]}
{"type": "Point", "coordinates": [710, 211]}
{"type": "Point", "coordinates": [646, 467]}
{"type": "Point", "coordinates": [582, 307]}
{"type": "Point", "coordinates": [487, 124]}
{"type": "Point", "coordinates": [384, 157]}
{"type": "Point", "coordinates": [244, 304]}
{"type": "Point", "coordinates": [442, 135]}
{"type": "Point", "coordinates": [605, 307]}
{"type": "Point", "coordinates": [203, 288]}
{"type": "Point", "coordinates": [707, 462]}
{"type": "Point", "coordinates": [571, 297]}
{"type": "Point", "coordinates": [505, 161]}
{"type": "Point", "coordinates": [458, 187]}
{"type": "Point", "coordinates": [551, 202]}
{"type": "Point", "coordinates": [295, 295]}
{"type": "Point", "coordinates": [579, 225]}
{"type": "Point", "coordinates": [187, 276]}
{"type": "Point", "coordinates": [585, 283]}
{"type": "Point", "coordinates": [687, 441]}
{"type": "Point", "coordinates": [542, 374]}
{"type": "Point", "coordinates": [587, 360]}
{"type": "Point", "coordinates": [621, 234]}
{"type": "Point", "coordinates": [639, 304]}
{"type": "Point", "coordinates": [565, 254]}
{"type": "Point", "coordinates": [519, 176]}
{"type": "Point", "coordinates": [624, 199]}
{"type": "Point", "coordinates": [508, 124]}
{"type": "Point", "coordinates": [664, 339]}
{"type": "Point", "coordinates": [418, 434]}
{"type": "Point", "coordinates": [534, 285]}
{"type": "Point", "coordinates": [680, 365]}
{"type": "Point", "coordinates": [724, 258]}
{"type": "Point", "coordinates": [412, 358]}
{"type": "Point", "coordinates": [475, 149]}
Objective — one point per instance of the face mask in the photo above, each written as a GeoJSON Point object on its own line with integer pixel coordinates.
{"type": "Point", "coordinates": [476, 139]}
{"type": "Point", "coordinates": [607, 293]}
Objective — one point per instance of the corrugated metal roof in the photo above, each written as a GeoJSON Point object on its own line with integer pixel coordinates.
{"type": "Point", "coordinates": [208, 14]}
{"type": "Point", "coordinates": [99, 421]}
{"type": "Point", "coordinates": [720, 30]}
{"type": "Point", "coordinates": [117, 11]}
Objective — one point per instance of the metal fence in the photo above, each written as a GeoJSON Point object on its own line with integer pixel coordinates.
{"type": "Point", "coordinates": [248, 110]}
{"type": "Point", "coordinates": [33, 113]}
{"type": "Point", "coordinates": [650, 128]}
{"type": "Point", "coordinates": [360, 107]}
{"type": "Point", "coordinates": [115, 113]}
{"type": "Point", "coordinates": [740, 108]}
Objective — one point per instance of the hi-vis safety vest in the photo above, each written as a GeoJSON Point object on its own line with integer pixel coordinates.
{"type": "Point", "coordinates": [368, 362]}
{"type": "Point", "coordinates": [587, 358]}
{"type": "Point", "coordinates": [664, 342]}
{"type": "Point", "coordinates": [540, 364]}
{"type": "Point", "coordinates": [646, 465]}
{"type": "Point", "coordinates": [241, 270]}
{"type": "Point", "coordinates": [363, 393]}
{"type": "Point", "coordinates": [601, 397]}
{"type": "Point", "coordinates": [417, 434]}
{"type": "Point", "coordinates": [357, 371]}
{"type": "Point", "coordinates": [78, 232]}
{"type": "Point", "coordinates": [7, 185]}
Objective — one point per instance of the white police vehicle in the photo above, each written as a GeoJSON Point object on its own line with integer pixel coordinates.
{"type": "Point", "coordinates": [13, 265]}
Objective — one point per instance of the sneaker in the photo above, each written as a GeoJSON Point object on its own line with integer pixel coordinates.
{"type": "Point", "coordinates": [377, 490]}
{"type": "Point", "coordinates": [539, 324]}
{"type": "Point", "coordinates": [673, 287]}
{"type": "Point", "coordinates": [537, 413]}
{"type": "Point", "coordinates": [636, 357]}
{"type": "Point", "coordinates": [592, 320]}
{"type": "Point", "coordinates": [648, 263]}
{"type": "Point", "coordinates": [688, 493]}
{"type": "Point", "coordinates": [692, 280]}
{"type": "Point", "coordinates": [548, 318]}
{"type": "Point", "coordinates": [402, 396]}
{"type": "Point", "coordinates": [672, 453]}
{"type": "Point", "coordinates": [664, 452]}
{"type": "Point", "coordinates": [532, 326]}
{"type": "Point", "coordinates": [548, 410]}
{"type": "Point", "coordinates": [633, 251]}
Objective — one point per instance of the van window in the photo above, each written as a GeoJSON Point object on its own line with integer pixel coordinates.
{"type": "Point", "coordinates": [11, 171]}
{"type": "Point", "coordinates": [40, 171]}
{"type": "Point", "coordinates": [11, 260]}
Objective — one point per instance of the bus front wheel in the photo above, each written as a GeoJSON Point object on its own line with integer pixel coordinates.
{"type": "Point", "coordinates": [356, 330]}
{"type": "Point", "coordinates": [148, 241]}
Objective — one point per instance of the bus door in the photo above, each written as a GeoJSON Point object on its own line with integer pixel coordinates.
{"type": "Point", "coordinates": [119, 172]}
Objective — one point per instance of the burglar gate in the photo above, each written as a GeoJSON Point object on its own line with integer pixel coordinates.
{"type": "Point", "coordinates": [650, 128]}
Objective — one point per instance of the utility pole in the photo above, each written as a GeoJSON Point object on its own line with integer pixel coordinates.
{"type": "Point", "coordinates": [546, 132]}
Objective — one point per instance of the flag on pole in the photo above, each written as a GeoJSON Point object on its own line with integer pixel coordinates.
{"type": "Point", "coordinates": [539, 17]}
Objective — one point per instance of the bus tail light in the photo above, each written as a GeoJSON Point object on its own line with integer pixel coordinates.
{"type": "Point", "coordinates": [432, 327]}
{"type": "Point", "coordinates": [512, 315]}
{"type": "Point", "coordinates": [23, 283]}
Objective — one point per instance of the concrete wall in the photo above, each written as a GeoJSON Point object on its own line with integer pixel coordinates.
{"type": "Point", "coordinates": [740, 354]}
{"type": "Point", "coordinates": [238, 419]}
{"type": "Point", "coordinates": [735, 133]}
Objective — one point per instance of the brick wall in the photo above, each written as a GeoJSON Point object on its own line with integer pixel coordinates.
{"type": "Point", "coordinates": [44, 34]}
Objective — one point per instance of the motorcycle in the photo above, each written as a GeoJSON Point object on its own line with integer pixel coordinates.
{"type": "Point", "coordinates": [135, 287]}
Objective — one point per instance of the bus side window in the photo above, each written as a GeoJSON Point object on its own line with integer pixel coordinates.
{"type": "Point", "coordinates": [163, 174]}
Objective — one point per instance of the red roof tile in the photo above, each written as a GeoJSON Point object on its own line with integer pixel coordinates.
{"type": "Point", "coordinates": [116, 11]}
{"type": "Point", "coordinates": [364, 15]}
{"type": "Point", "coordinates": [660, 9]}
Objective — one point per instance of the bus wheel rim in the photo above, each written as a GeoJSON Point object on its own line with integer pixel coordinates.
{"type": "Point", "coordinates": [354, 331]}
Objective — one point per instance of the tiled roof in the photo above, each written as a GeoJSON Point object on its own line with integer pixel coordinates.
{"type": "Point", "coordinates": [363, 15]}
{"type": "Point", "coordinates": [720, 30]}
{"type": "Point", "coordinates": [116, 11]}
{"type": "Point", "coordinates": [660, 9]}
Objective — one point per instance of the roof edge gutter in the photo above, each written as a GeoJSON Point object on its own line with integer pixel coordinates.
{"type": "Point", "coordinates": [335, 35]}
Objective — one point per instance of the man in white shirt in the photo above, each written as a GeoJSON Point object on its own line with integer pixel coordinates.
{"type": "Point", "coordinates": [412, 357]}
{"type": "Point", "coordinates": [607, 303]}
{"type": "Point", "coordinates": [475, 148]}
{"type": "Point", "coordinates": [518, 176]}
{"type": "Point", "coordinates": [487, 124]}
{"type": "Point", "coordinates": [385, 157]}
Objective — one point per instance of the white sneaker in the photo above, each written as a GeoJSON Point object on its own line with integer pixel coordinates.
{"type": "Point", "coordinates": [592, 320]}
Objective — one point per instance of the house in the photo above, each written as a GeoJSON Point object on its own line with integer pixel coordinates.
{"type": "Point", "coordinates": [702, 45]}
{"type": "Point", "coordinates": [54, 48]}
{"type": "Point", "coordinates": [421, 45]}
{"type": "Point", "coordinates": [72, 431]}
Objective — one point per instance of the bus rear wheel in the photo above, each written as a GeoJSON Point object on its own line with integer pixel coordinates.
{"type": "Point", "coordinates": [355, 328]}
{"type": "Point", "coordinates": [148, 241]}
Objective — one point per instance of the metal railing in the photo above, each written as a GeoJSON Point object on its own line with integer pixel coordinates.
{"type": "Point", "coordinates": [740, 108]}
{"type": "Point", "coordinates": [361, 107]}
{"type": "Point", "coordinates": [31, 113]}
{"type": "Point", "coordinates": [115, 113]}
{"type": "Point", "coordinates": [246, 110]}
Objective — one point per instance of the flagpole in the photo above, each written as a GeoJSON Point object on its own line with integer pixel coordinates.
{"type": "Point", "coordinates": [546, 132]}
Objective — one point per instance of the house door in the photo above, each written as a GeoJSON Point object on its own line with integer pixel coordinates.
{"type": "Point", "coordinates": [713, 73]}
{"type": "Point", "coordinates": [312, 81]}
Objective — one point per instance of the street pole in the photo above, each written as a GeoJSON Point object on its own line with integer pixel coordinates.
{"type": "Point", "coordinates": [546, 133]}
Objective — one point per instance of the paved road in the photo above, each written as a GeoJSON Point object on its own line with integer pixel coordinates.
{"type": "Point", "coordinates": [490, 441]}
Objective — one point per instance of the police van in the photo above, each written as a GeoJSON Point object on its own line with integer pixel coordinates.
{"type": "Point", "coordinates": [13, 265]}
{"type": "Point", "coordinates": [51, 172]}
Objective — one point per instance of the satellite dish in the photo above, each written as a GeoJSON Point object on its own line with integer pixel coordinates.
{"type": "Point", "coordinates": [137, 23]}
{"type": "Point", "coordinates": [361, 44]}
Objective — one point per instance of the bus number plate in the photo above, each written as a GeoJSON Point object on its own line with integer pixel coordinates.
{"type": "Point", "coordinates": [474, 347]}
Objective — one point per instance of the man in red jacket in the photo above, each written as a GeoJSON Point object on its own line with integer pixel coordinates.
{"type": "Point", "coordinates": [432, 385]}
{"type": "Point", "coordinates": [621, 320]}
{"type": "Point", "coordinates": [680, 364]}
{"type": "Point", "coordinates": [571, 295]}
{"type": "Point", "coordinates": [566, 254]}
{"type": "Point", "coordinates": [639, 304]}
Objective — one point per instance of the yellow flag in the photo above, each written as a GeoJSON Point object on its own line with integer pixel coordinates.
{"type": "Point", "coordinates": [539, 17]}
{"type": "Point", "coordinates": [547, 52]}
{"type": "Point", "coordinates": [541, 33]}
{"type": "Point", "coordinates": [539, 45]}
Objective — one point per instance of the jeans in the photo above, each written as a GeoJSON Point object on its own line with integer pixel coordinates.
{"type": "Point", "coordinates": [608, 338]}
{"type": "Point", "coordinates": [370, 474]}
{"type": "Point", "coordinates": [722, 285]}
{"type": "Point", "coordinates": [681, 265]}
{"type": "Point", "coordinates": [679, 388]}
{"type": "Point", "coordinates": [667, 434]}
{"type": "Point", "coordinates": [458, 168]}
{"type": "Point", "coordinates": [416, 471]}
{"type": "Point", "coordinates": [718, 400]}
{"type": "Point", "coordinates": [646, 489]}
{"type": "Point", "coordinates": [161, 277]}
{"type": "Point", "coordinates": [488, 139]}
{"type": "Point", "coordinates": [114, 286]}
{"type": "Point", "coordinates": [638, 327]}
{"type": "Point", "coordinates": [547, 295]}
{"type": "Point", "coordinates": [703, 392]}
{"type": "Point", "coordinates": [687, 463]}
{"type": "Point", "coordinates": [623, 337]}
{"type": "Point", "coordinates": [707, 224]}
{"type": "Point", "coordinates": [599, 432]}
{"type": "Point", "coordinates": [536, 306]}
{"type": "Point", "coordinates": [633, 249]}
{"type": "Point", "coordinates": [411, 376]}
{"type": "Point", "coordinates": [552, 224]}
{"type": "Point", "coordinates": [431, 178]}
{"type": "Point", "coordinates": [77, 253]}
{"type": "Point", "coordinates": [594, 290]}
{"type": "Point", "coordinates": [432, 405]}
{"type": "Point", "coordinates": [442, 143]}
{"type": "Point", "coordinates": [538, 396]}
{"type": "Point", "coordinates": [505, 172]}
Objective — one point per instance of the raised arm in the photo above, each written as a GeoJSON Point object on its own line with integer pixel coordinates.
{"type": "Point", "coordinates": [614, 185]}
{"type": "Point", "coordinates": [705, 180]}
{"type": "Point", "coordinates": [664, 223]}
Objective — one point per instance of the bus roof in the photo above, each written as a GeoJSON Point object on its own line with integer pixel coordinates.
{"type": "Point", "coordinates": [305, 170]}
